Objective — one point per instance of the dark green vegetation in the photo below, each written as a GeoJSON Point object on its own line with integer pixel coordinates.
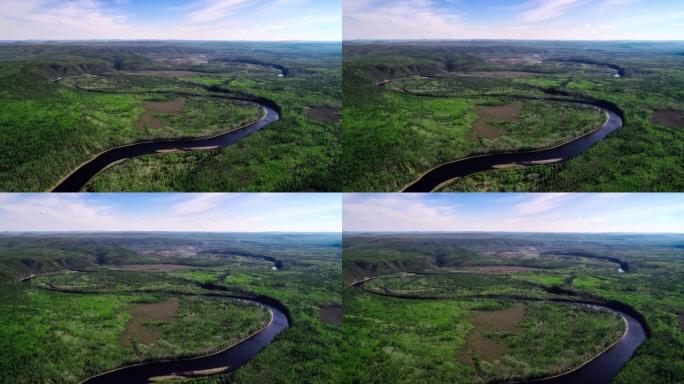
{"type": "Point", "coordinates": [479, 307]}
{"type": "Point", "coordinates": [65, 103]}
{"type": "Point", "coordinates": [129, 297]}
{"type": "Point", "coordinates": [428, 113]}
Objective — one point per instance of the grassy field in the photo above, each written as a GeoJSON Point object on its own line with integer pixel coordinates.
{"type": "Point", "coordinates": [265, 162]}
{"type": "Point", "coordinates": [53, 335]}
{"type": "Point", "coordinates": [444, 287]}
{"type": "Point", "coordinates": [123, 317]}
{"type": "Point", "coordinates": [390, 139]}
{"type": "Point", "coordinates": [466, 340]}
{"type": "Point", "coordinates": [64, 104]}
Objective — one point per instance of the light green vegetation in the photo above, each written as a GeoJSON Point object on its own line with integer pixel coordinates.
{"type": "Point", "coordinates": [53, 130]}
{"type": "Point", "coordinates": [295, 153]}
{"type": "Point", "coordinates": [404, 341]}
{"type": "Point", "coordinates": [388, 340]}
{"type": "Point", "coordinates": [386, 155]}
{"type": "Point", "coordinates": [64, 104]}
{"type": "Point", "coordinates": [551, 343]}
{"type": "Point", "coordinates": [519, 267]}
{"type": "Point", "coordinates": [66, 337]}
{"type": "Point", "coordinates": [309, 349]}
{"type": "Point", "coordinates": [454, 285]}
{"type": "Point", "coordinates": [396, 132]}
{"type": "Point", "coordinates": [53, 335]}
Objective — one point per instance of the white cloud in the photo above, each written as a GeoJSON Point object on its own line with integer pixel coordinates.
{"type": "Point", "coordinates": [58, 19]}
{"type": "Point", "coordinates": [212, 10]}
{"type": "Point", "coordinates": [73, 212]}
{"type": "Point", "coordinates": [171, 212]}
{"type": "Point", "coordinates": [574, 212]}
{"type": "Point", "coordinates": [393, 212]}
{"type": "Point", "coordinates": [399, 20]}
{"type": "Point", "coordinates": [542, 10]}
{"type": "Point", "coordinates": [541, 202]}
{"type": "Point", "coordinates": [198, 203]}
{"type": "Point", "coordinates": [530, 19]}
{"type": "Point", "coordinates": [196, 20]}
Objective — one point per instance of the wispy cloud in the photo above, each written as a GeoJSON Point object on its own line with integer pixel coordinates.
{"type": "Point", "coordinates": [572, 212]}
{"type": "Point", "coordinates": [60, 19]}
{"type": "Point", "coordinates": [397, 213]}
{"type": "Point", "coordinates": [73, 212]}
{"type": "Point", "coordinates": [541, 203]}
{"type": "Point", "coordinates": [542, 10]}
{"type": "Point", "coordinates": [211, 10]}
{"type": "Point", "coordinates": [198, 203]}
{"type": "Point", "coordinates": [191, 20]}
{"type": "Point", "coordinates": [171, 212]}
{"type": "Point", "coordinates": [505, 19]}
{"type": "Point", "coordinates": [400, 19]}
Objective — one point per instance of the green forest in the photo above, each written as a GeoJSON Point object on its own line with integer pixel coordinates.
{"type": "Point", "coordinates": [411, 106]}
{"type": "Point", "coordinates": [100, 301]}
{"type": "Point", "coordinates": [495, 307]}
{"type": "Point", "coordinates": [65, 104]}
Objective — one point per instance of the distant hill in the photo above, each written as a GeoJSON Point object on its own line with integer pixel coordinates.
{"type": "Point", "coordinates": [372, 256]}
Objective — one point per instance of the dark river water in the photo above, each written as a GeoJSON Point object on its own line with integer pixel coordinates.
{"type": "Point", "coordinates": [602, 369]}
{"type": "Point", "coordinates": [459, 168]}
{"type": "Point", "coordinates": [233, 358]}
{"type": "Point", "coordinates": [80, 177]}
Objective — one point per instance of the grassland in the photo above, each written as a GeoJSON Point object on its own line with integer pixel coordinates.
{"type": "Point", "coordinates": [142, 297]}
{"type": "Point", "coordinates": [65, 329]}
{"type": "Point", "coordinates": [464, 293]}
{"type": "Point", "coordinates": [428, 340]}
{"type": "Point", "coordinates": [422, 118]}
{"type": "Point", "coordinates": [264, 162]}
{"type": "Point", "coordinates": [64, 104]}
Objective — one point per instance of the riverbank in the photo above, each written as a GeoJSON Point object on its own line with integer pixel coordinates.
{"type": "Point", "coordinates": [600, 367]}
{"type": "Point", "coordinates": [232, 356]}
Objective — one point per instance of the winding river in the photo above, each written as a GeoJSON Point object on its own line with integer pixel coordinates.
{"type": "Point", "coordinates": [443, 173]}
{"type": "Point", "coordinates": [77, 179]}
{"type": "Point", "coordinates": [607, 365]}
{"type": "Point", "coordinates": [602, 368]}
{"type": "Point", "coordinates": [226, 360]}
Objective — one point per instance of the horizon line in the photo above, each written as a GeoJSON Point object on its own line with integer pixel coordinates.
{"type": "Point", "coordinates": [531, 232]}
{"type": "Point", "coordinates": [183, 40]}
{"type": "Point", "coordinates": [519, 39]}
{"type": "Point", "coordinates": [158, 231]}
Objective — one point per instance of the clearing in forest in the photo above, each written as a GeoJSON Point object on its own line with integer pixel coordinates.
{"type": "Point", "coordinates": [485, 322]}
{"type": "Point", "coordinates": [150, 118]}
{"type": "Point", "coordinates": [143, 313]}
{"type": "Point", "coordinates": [669, 118]}
{"type": "Point", "coordinates": [330, 314]}
{"type": "Point", "coordinates": [325, 114]}
{"type": "Point", "coordinates": [487, 117]}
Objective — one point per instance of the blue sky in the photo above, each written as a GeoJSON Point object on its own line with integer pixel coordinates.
{"type": "Point", "coordinates": [210, 212]}
{"type": "Point", "coordinates": [515, 212]}
{"type": "Point", "coordinates": [514, 19]}
{"type": "Point", "coordinates": [171, 19]}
